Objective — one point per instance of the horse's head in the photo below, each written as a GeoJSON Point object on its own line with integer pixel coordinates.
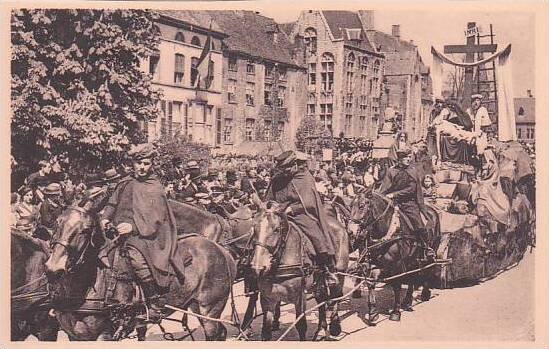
{"type": "Point", "coordinates": [75, 232]}
{"type": "Point", "coordinates": [361, 206]}
{"type": "Point", "coordinates": [268, 224]}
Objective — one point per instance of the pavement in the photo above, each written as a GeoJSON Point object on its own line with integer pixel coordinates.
{"type": "Point", "coordinates": [499, 309]}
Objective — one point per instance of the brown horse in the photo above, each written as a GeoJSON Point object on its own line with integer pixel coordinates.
{"type": "Point", "coordinates": [288, 279]}
{"type": "Point", "coordinates": [373, 212]}
{"type": "Point", "coordinates": [29, 293]}
{"type": "Point", "coordinates": [85, 285]}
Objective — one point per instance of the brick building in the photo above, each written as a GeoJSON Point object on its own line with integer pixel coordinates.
{"type": "Point", "coordinates": [258, 92]}
{"type": "Point", "coordinates": [525, 118]}
{"type": "Point", "coordinates": [183, 109]}
{"type": "Point", "coordinates": [344, 71]}
{"type": "Point", "coordinates": [407, 85]}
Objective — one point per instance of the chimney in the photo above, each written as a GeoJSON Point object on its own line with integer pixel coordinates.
{"type": "Point", "coordinates": [396, 31]}
{"type": "Point", "coordinates": [529, 93]}
{"type": "Point", "coordinates": [367, 19]}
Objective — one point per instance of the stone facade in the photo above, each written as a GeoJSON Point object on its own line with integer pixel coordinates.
{"type": "Point", "coordinates": [407, 85]}
{"type": "Point", "coordinates": [344, 72]}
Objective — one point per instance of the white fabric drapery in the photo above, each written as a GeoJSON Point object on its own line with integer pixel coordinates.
{"type": "Point", "coordinates": [506, 113]}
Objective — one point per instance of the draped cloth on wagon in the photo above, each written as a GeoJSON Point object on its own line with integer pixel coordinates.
{"type": "Point", "coordinates": [506, 114]}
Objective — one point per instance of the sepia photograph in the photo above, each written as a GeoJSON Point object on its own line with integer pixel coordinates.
{"type": "Point", "coordinates": [262, 171]}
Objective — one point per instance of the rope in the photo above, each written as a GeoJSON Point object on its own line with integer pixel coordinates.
{"type": "Point", "coordinates": [319, 305]}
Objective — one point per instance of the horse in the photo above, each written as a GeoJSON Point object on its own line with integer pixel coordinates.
{"type": "Point", "coordinates": [282, 262]}
{"type": "Point", "coordinates": [373, 212]}
{"type": "Point", "coordinates": [29, 289]}
{"type": "Point", "coordinates": [96, 299]}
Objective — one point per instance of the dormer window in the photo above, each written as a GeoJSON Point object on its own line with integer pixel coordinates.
{"type": "Point", "coordinates": [521, 111]}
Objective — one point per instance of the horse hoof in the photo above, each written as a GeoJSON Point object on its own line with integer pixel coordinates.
{"type": "Point", "coordinates": [357, 294]}
{"type": "Point", "coordinates": [425, 296]}
{"type": "Point", "coordinates": [395, 316]}
{"type": "Point", "coordinates": [335, 328]}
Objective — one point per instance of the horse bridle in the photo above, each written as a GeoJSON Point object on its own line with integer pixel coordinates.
{"type": "Point", "coordinates": [367, 225]}
{"type": "Point", "coordinates": [64, 243]}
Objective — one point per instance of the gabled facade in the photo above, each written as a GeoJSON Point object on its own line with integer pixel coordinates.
{"type": "Point", "coordinates": [525, 118]}
{"type": "Point", "coordinates": [184, 110]}
{"type": "Point", "coordinates": [344, 71]}
{"type": "Point", "coordinates": [407, 82]}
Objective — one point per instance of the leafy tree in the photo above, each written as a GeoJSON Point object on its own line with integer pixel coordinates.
{"type": "Point", "coordinates": [182, 149]}
{"type": "Point", "coordinates": [308, 133]}
{"type": "Point", "coordinates": [76, 84]}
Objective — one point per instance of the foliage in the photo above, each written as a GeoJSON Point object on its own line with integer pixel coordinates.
{"type": "Point", "coordinates": [307, 134]}
{"type": "Point", "coordinates": [76, 85]}
{"type": "Point", "coordinates": [179, 148]}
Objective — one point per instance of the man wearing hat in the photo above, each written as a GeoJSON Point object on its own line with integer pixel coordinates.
{"type": "Point", "coordinates": [481, 121]}
{"type": "Point", "coordinates": [400, 185]}
{"type": "Point", "coordinates": [52, 206]}
{"type": "Point", "coordinates": [294, 188]}
{"type": "Point", "coordinates": [192, 181]}
{"type": "Point", "coordinates": [139, 210]}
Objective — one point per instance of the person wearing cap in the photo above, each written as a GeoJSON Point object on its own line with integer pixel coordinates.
{"type": "Point", "coordinates": [401, 186]}
{"type": "Point", "coordinates": [192, 183]}
{"type": "Point", "coordinates": [293, 187]}
{"type": "Point", "coordinates": [138, 209]}
{"type": "Point", "coordinates": [51, 207]}
{"type": "Point", "coordinates": [481, 121]}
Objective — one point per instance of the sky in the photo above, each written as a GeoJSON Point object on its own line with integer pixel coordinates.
{"type": "Point", "coordinates": [442, 27]}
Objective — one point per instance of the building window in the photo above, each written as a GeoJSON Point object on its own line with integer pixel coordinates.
{"type": "Point", "coordinates": [153, 66]}
{"type": "Point", "coordinates": [250, 68]}
{"type": "Point", "coordinates": [179, 69]}
{"type": "Point", "coordinates": [269, 71]}
{"type": "Point", "coordinates": [348, 124]}
{"type": "Point", "coordinates": [232, 64]}
{"type": "Point", "coordinates": [280, 101]}
{"type": "Point", "coordinates": [177, 117]}
{"type": "Point", "coordinates": [194, 70]}
{"type": "Point", "coordinates": [530, 133]}
{"type": "Point", "coordinates": [521, 111]}
{"type": "Point", "coordinates": [311, 109]}
{"type": "Point", "coordinates": [326, 111]}
{"type": "Point", "coordinates": [282, 73]}
{"type": "Point", "coordinates": [376, 67]}
{"type": "Point", "coordinates": [280, 130]}
{"type": "Point", "coordinates": [364, 65]}
{"type": "Point", "coordinates": [312, 74]}
{"type": "Point", "coordinates": [362, 125]}
{"type": "Point", "coordinates": [267, 95]}
{"type": "Point", "coordinates": [228, 131]}
{"type": "Point", "coordinates": [231, 91]}
{"type": "Point", "coordinates": [250, 123]}
{"type": "Point", "coordinates": [250, 87]}
{"type": "Point", "coordinates": [327, 74]}
{"type": "Point", "coordinates": [350, 71]}
{"type": "Point", "coordinates": [310, 41]}
{"type": "Point", "coordinates": [195, 41]}
{"type": "Point", "coordinates": [349, 103]}
{"type": "Point", "coordinates": [267, 130]}
{"type": "Point", "coordinates": [519, 133]}
{"type": "Point", "coordinates": [179, 37]}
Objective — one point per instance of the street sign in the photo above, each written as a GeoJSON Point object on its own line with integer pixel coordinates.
{"type": "Point", "coordinates": [469, 32]}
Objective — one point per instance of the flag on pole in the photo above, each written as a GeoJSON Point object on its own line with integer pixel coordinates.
{"type": "Point", "coordinates": [204, 65]}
